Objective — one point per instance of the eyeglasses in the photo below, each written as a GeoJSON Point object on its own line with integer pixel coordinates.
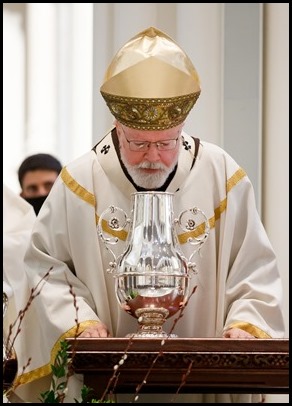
{"type": "Point", "coordinates": [143, 146]}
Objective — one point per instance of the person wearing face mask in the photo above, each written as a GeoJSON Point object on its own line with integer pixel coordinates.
{"type": "Point", "coordinates": [150, 87]}
{"type": "Point", "coordinates": [36, 175]}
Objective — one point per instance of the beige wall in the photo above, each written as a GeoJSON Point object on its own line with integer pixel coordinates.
{"type": "Point", "coordinates": [276, 143]}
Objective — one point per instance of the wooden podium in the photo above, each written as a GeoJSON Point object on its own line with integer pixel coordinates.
{"type": "Point", "coordinates": [192, 365]}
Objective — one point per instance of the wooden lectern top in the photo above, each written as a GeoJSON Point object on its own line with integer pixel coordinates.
{"type": "Point", "coordinates": [212, 365]}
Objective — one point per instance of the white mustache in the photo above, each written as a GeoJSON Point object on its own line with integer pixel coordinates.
{"type": "Point", "coordinates": [151, 165]}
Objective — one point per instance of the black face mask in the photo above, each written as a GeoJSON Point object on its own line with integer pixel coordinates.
{"type": "Point", "coordinates": [36, 202]}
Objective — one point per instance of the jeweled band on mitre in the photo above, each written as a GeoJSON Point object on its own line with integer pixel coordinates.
{"type": "Point", "coordinates": [150, 114]}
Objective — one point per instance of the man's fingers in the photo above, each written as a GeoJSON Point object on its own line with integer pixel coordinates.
{"type": "Point", "coordinates": [99, 330]}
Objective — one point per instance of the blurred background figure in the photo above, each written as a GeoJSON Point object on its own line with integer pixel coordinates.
{"type": "Point", "coordinates": [18, 221]}
{"type": "Point", "coordinates": [36, 175]}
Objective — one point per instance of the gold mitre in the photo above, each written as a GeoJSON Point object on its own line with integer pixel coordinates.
{"type": "Point", "coordinates": [151, 84]}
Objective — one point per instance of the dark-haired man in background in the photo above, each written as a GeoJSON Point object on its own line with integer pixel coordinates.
{"type": "Point", "coordinates": [36, 175]}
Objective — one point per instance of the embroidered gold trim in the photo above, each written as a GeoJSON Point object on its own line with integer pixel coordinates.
{"type": "Point", "coordinates": [150, 114]}
{"type": "Point", "coordinates": [235, 179]}
{"type": "Point", "coordinates": [122, 235]}
{"type": "Point", "coordinates": [46, 369]}
{"type": "Point", "coordinates": [251, 329]}
{"type": "Point", "coordinates": [31, 376]}
{"type": "Point", "coordinates": [74, 186]}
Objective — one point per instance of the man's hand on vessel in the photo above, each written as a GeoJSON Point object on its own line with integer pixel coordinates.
{"type": "Point", "coordinates": [98, 330]}
{"type": "Point", "coordinates": [237, 333]}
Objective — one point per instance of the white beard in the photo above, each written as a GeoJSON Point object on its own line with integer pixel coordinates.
{"type": "Point", "coordinates": [148, 180]}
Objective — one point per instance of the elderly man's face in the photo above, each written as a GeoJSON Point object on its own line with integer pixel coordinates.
{"type": "Point", "coordinates": [149, 156]}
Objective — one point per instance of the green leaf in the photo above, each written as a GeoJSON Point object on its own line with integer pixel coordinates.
{"type": "Point", "coordinates": [49, 397]}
